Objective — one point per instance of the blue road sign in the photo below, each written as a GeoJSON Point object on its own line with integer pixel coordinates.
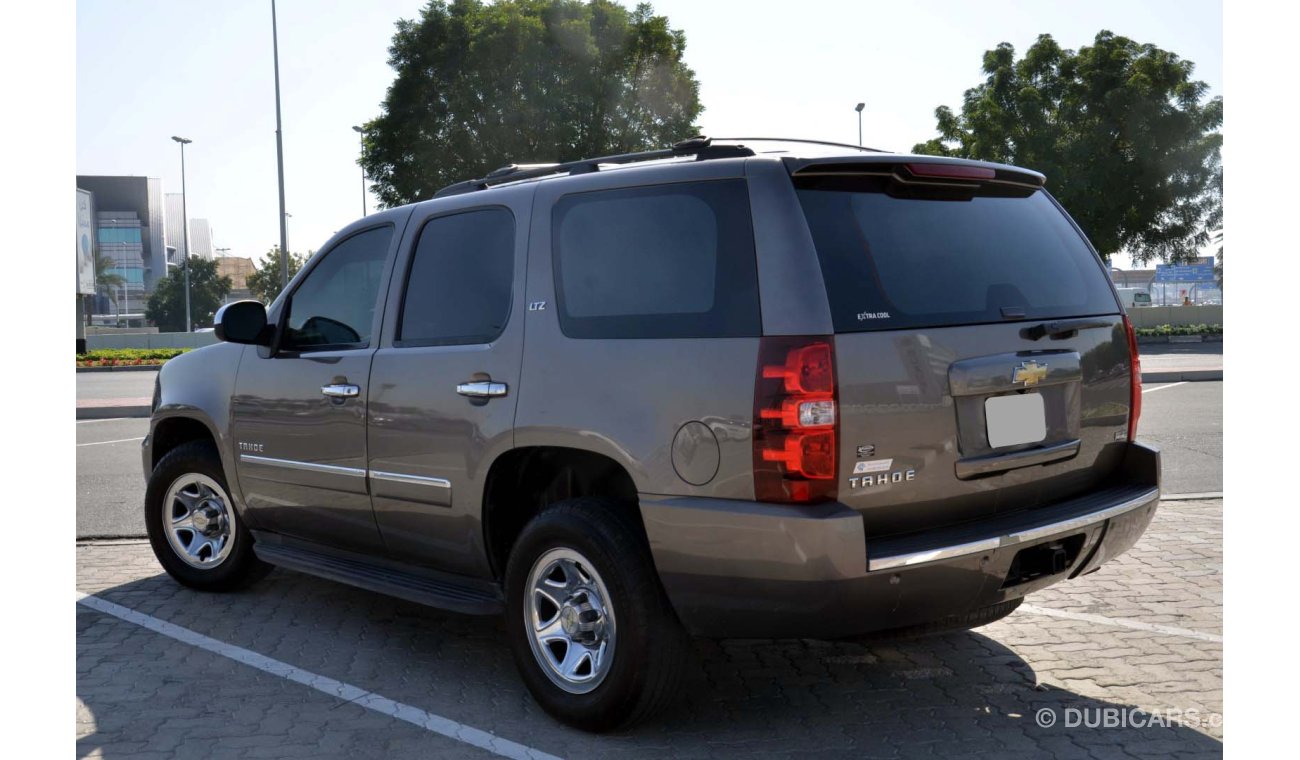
{"type": "Point", "coordinates": [1185, 273]}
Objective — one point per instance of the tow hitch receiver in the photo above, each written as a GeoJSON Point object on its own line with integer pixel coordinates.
{"type": "Point", "coordinates": [1043, 560]}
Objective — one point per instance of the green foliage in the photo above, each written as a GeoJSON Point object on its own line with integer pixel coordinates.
{"type": "Point", "coordinates": [1166, 330]}
{"type": "Point", "coordinates": [1128, 142]}
{"type": "Point", "coordinates": [105, 281]}
{"type": "Point", "coordinates": [480, 86]}
{"type": "Point", "coordinates": [264, 283]}
{"type": "Point", "coordinates": [166, 307]}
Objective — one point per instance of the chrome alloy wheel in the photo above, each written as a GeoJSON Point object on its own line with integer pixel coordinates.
{"type": "Point", "coordinates": [570, 620]}
{"type": "Point", "coordinates": [198, 520]}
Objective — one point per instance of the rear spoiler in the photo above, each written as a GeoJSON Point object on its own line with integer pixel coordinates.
{"type": "Point", "coordinates": [926, 171]}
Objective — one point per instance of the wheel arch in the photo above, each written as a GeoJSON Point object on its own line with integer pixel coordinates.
{"type": "Point", "coordinates": [523, 481]}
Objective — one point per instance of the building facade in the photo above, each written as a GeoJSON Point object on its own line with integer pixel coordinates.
{"type": "Point", "coordinates": [238, 269]}
{"type": "Point", "coordinates": [175, 237]}
{"type": "Point", "coordinates": [201, 238]}
{"type": "Point", "coordinates": [129, 231]}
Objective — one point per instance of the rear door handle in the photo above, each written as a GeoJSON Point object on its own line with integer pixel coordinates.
{"type": "Point", "coordinates": [341, 390]}
{"type": "Point", "coordinates": [481, 389]}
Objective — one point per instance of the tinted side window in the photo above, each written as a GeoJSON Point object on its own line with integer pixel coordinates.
{"type": "Point", "coordinates": [335, 305]}
{"type": "Point", "coordinates": [458, 290]}
{"type": "Point", "coordinates": [667, 261]}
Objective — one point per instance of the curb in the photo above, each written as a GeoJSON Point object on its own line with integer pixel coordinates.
{"type": "Point", "coordinates": [1182, 376]}
{"type": "Point", "coordinates": [111, 412]}
{"type": "Point", "coordinates": [130, 368]}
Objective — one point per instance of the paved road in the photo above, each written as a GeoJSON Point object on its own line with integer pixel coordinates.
{"type": "Point", "coordinates": [300, 667]}
{"type": "Point", "coordinates": [106, 385]}
{"type": "Point", "coordinates": [110, 480]}
{"type": "Point", "coordinates": [1186, 421]}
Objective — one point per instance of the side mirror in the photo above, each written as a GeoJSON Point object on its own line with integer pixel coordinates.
{"type": "Point", "coordinates": [242, 322]}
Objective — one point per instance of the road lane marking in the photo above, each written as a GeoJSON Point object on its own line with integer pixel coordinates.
{"type": "Point", "coordinates": [1162, 387]}
{"type": "Point", "coordinates": [1168, 630]}
{"type": "Point", "coordinates": [338, 689]}
{"type": "Point", "coordinates": [101, 443]}
{"type": "Point", "coordinates": [107, 419]}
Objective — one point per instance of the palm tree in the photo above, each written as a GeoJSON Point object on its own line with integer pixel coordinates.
{"type": "Point", "coordinates": [105, 280]}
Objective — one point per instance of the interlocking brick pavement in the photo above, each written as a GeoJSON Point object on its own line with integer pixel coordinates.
{"type": "Point", "coordinates": [142, 694]}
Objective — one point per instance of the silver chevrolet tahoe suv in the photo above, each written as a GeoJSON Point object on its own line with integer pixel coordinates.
{"type": "Point", "coordinates": [701, 391]}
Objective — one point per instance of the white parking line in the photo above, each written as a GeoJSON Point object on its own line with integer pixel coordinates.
{"type": "Point", "coordinates": [1168, 630]}
{"type": "Point", "coordinates": [101, 443]}
{"type": "Point", "coordinates": [371, 701]}
{"type": "Point", "coordinates": [105, 419]}
{"type": "Point", "coordinates": [1162, 387]}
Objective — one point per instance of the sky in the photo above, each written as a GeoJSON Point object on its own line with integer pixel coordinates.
{"type": "Point", "coordinates": [150, 69]}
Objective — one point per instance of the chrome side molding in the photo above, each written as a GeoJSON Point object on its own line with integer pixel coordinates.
{"type": "Point", "coordinates": [293, 464]}
{"type": "Point", "coordinates": [415, 480]}
{"type": "Point", "coordinates": [333, 469]}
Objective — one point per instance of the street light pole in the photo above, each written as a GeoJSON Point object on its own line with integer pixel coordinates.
{"type": "Point", "coordinates": [362, 133]}
{"type": "Point", "coordinates": [859, 108]}
{"type": "Point", "coordinates": [185, 225]}
{"type": "Point", "coordinates": [279, 154]}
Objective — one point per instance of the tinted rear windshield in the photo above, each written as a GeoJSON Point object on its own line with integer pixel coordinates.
{"type": "Point", "coordinates": [892, 262]}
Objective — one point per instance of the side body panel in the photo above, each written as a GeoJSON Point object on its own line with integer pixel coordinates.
{"type": "Point", "coordinates": [627, 399]}
{"type": "Point", "coordinates": [430, 448]}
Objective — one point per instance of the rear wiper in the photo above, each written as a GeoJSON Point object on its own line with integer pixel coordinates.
{"type": "Point", "coordinates": [1062, 327]}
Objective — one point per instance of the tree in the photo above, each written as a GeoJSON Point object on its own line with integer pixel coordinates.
{"type": "Point", "coordinates": [1126, 137]}
{"type": "Point", "coordinates": [106, 281]}
{"type": "Point", "coordinates": [166, 307]}
{"type": "Point", "coordinates": [264, 283]}
{"type": "Point", "coordinates": [480, 86]}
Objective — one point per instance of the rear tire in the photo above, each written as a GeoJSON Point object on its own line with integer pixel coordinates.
{"type": "Point", "coordinates": [193, 527]}
{"type": "Point", "coordinates": [591, 630]}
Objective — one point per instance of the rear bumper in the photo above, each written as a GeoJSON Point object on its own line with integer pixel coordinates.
{"type": "Point", "coordinates": [748, 569]}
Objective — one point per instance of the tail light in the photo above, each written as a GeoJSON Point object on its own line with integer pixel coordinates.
{"type": "Point", "coordinates": [796, 428]}
{"type": "Point", "coordinates": [1135, 381]}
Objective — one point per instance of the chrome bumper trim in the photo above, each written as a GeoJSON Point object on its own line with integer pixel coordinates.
{"type": "Point", "coordinates": [997, 542]}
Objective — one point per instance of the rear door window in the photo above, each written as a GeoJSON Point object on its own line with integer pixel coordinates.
{"type": "Point", "coordinates": [665, 261]}
{"type": "Point", "coordinates": [900, 262]}
{"type": "Point", "coordinates": [460, 281]}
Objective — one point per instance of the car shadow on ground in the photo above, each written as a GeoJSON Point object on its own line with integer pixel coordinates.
{"type": "Point", "coordinates": [961, 694]}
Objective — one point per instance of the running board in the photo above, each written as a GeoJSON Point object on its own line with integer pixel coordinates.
{"type": "Point", "coordinates": [440, 593]}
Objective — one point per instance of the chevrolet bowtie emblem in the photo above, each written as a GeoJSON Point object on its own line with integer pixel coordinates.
{"type": "Point", "coordinates": [1029, 373]}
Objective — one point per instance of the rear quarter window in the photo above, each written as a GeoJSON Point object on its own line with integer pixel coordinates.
{"type": "Point", "coordinates": [665, 261]}
{"type": "Point", "coordinates": [903, 262]}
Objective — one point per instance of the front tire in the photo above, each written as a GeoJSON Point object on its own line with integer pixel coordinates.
{"type": "Point", "coordinates": [592, 633]}
{"type": "Point", "coordinates": [193, 528]}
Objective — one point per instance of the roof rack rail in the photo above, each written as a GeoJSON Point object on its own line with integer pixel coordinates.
{"type": "Point", "coordinates": [862, 148]}
{"type": "Point", "coordinates": [699, 146]}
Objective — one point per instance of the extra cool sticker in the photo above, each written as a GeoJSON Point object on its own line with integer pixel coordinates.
{"type": "Point", "coordinates": [875, 465]}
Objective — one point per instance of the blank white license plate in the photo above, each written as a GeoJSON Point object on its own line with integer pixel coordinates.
{"type": "Point", "coordinates": [1015, 419]}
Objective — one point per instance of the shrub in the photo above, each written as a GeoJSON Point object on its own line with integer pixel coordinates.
{"type": "Point", "coordinates": [119, 357]}
{"type": "Point", "coordinates": [1166, 330]}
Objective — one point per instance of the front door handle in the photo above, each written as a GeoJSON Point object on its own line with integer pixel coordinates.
{"type": "Point", "coordinates": [341, 390]}
{"type": "Point", "coordinates": [481, 389]}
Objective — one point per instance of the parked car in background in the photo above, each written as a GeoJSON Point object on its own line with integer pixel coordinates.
{"type": "Point", "coordinates": [1133, 297]}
